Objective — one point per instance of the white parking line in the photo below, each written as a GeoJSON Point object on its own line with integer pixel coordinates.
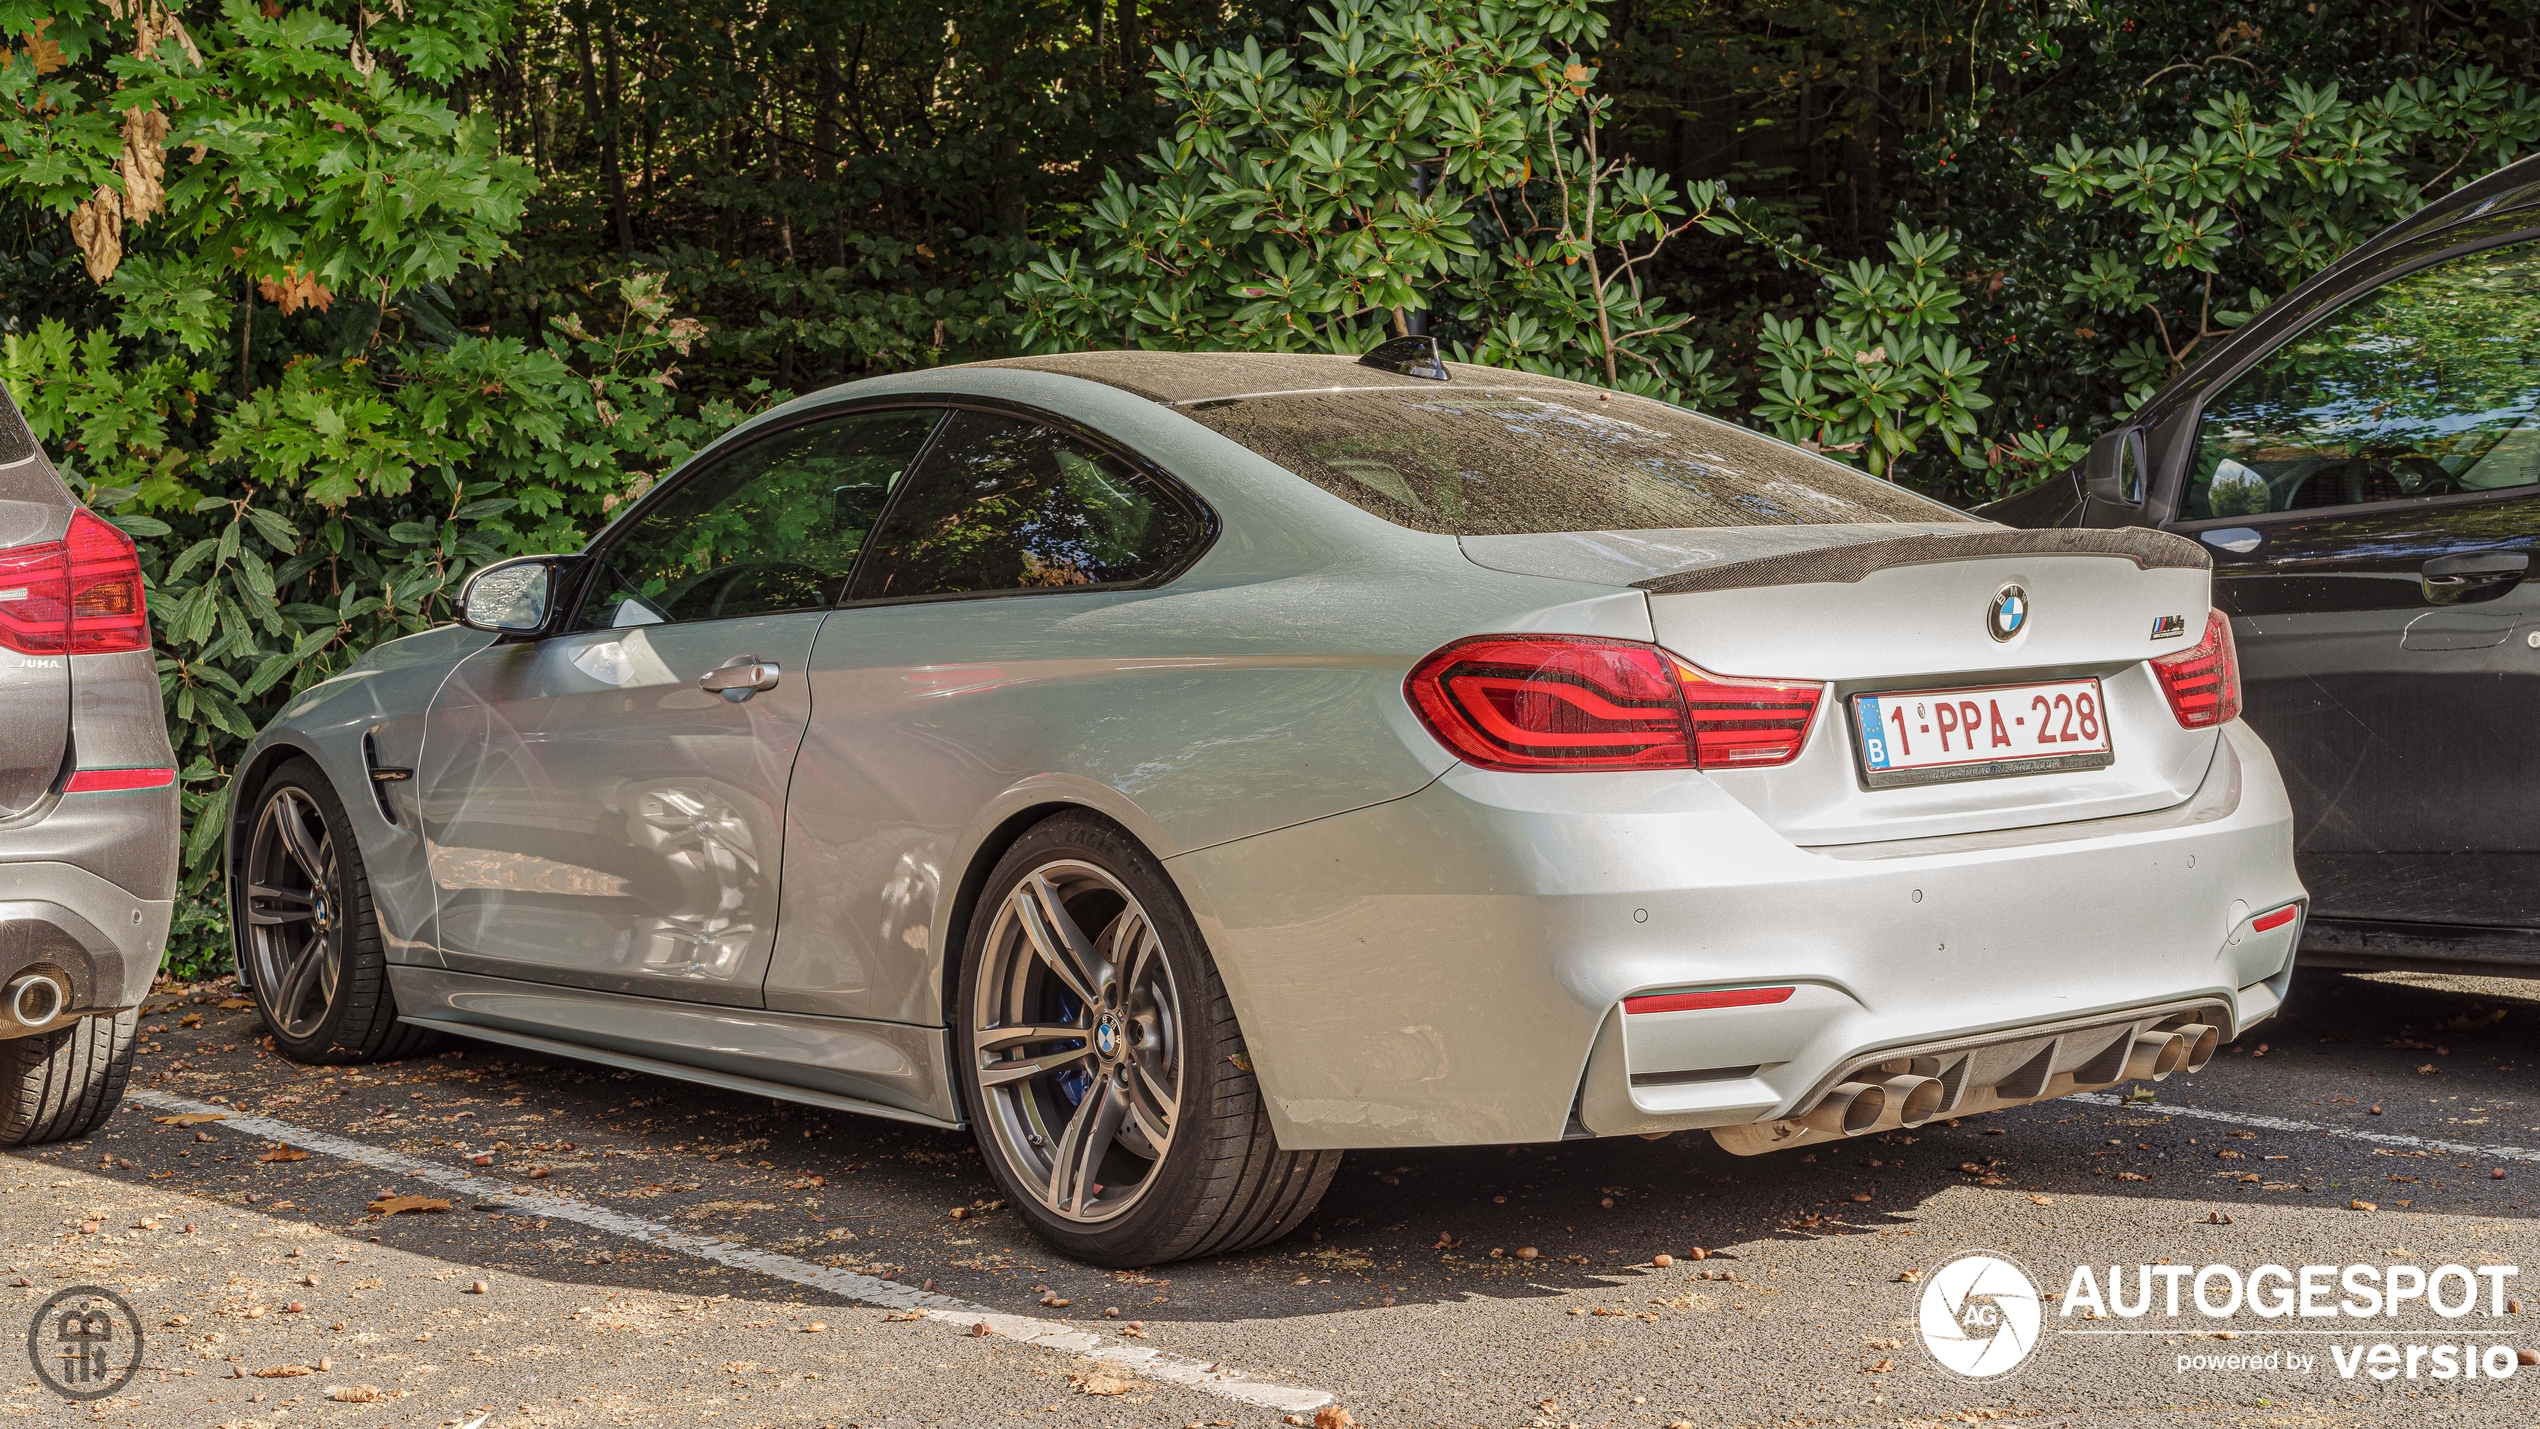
{"type": "Point", "coordinates": [2277, 1123]}
{"type": "Point", "coordinates": [872, 1290]}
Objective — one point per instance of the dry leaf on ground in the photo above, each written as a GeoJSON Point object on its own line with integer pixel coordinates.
{"type": "Point", "coordinates": [192, 1118]}
{"type": "Point", "coordinates": [355, 1393]}
{"type": "Point", "coordinates": [284, 1153]}
{"type": "Point", "coordinates": [395, 1205]}
{"type": "Point", "coordinates": [283, 1371]}
{"type": "Point", "coordinates": [1099, 1383]}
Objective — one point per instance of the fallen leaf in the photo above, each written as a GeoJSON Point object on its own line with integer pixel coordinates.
{"type": "Point", "coordinates": [235, 1004]}
{"type": "Point", "coordinates": [1909, 1277]}
{"type": "Point", "coordinates": [284, 1371]}
{"type": "Point", "coordinates": [192, 1118]}
{"type": "Point", "coordinates": [284, 1153]}
{"type": "Point", "coordinates": [355, 1393]}
{"type": "Point", "coordinates": [2361, 1206]}
{"type": "Point", "coordinates": [1332, 1416]}
{"type": "Point", "coordinates": [2217, 1219]}
{"type": "Point", "coordinates": [1100, 1384]}
{"type": "Point", "coordinates": [2132, 1176]}
{"type": "Point", "coordinates": [398, 1205]}
{"type": "Point", "coordinates": [904, 1315]}
{"type": "Point", "coordinates": [2041, 1200]}
{"type": "Point", "coordinates": [1882, 1367]}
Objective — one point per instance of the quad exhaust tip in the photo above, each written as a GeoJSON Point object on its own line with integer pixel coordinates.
{"type": "Point", "coordinates": [2155, 1056]}
{"type": "Point", "coordinates": [34, 999]}
{"type": "Point", "coordinates": [1850, 1109]}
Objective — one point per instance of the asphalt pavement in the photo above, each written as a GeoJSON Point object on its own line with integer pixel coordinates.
{"type": "Point", "coordinates": [618, 1249]}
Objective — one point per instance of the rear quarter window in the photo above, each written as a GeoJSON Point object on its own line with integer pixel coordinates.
{"type": "Point", "coordinates": [1509, 461]}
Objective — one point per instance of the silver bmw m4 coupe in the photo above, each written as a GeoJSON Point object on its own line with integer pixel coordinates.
{"type": "Point", "coordinates": [1181, 768]}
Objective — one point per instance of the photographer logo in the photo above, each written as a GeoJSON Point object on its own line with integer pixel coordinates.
{"type": "Point", "coordinates": [85, 1342]}
{"type": "Point", "coordinates": [1979, 1316]}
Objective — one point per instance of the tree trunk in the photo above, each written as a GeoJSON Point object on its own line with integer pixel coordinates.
{"type": "Point", "coordinates": [1124, 25]}
{"type": "Point", "coordinates": [603, 119]}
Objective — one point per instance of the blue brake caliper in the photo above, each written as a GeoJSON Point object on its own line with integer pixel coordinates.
{"type": "Point", "coordinates": [1075, 1081]}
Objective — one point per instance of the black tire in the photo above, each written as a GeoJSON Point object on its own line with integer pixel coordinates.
{"type": "Point", "coordinates": [1222, 1183]}
{"type": "Point", "coordinates": [65, 1083]}
{"type": "Point", "coordinates": [358, 1020]}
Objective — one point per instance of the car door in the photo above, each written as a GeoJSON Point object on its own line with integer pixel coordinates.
{"type": "Point", "coordinates": [2370, 492]}
{"type": "Point", "coordinates": [978, 645]}
{"type": "Point", "coordinates": [604, 807]}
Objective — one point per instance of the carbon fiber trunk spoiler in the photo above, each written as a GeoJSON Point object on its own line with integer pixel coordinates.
{"type": "Point", "coordinates": [1846, 565]}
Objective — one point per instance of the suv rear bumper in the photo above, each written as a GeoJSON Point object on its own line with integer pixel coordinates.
{"type": "Point", "coordinates": [63, 917]}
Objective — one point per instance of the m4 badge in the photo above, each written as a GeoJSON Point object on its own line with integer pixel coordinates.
{"type": "Point", "coordinates": [2166, 626]}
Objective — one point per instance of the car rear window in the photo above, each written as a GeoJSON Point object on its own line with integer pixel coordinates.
{"type": "Point", "coordinates": [1510, 461]}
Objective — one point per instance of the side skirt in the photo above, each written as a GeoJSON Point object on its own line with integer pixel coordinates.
{"type": "Point", "coordinates": [884, 1069]}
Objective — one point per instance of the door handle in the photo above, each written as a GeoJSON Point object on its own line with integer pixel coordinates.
{"type": "Point", "coordinates": [2475, 575]}
{"type": "Point", "coordinates": [740, 677]}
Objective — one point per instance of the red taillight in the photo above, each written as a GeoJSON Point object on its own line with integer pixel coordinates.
{"type": "Point", "coordinates": [2203, 684]}
{"type": "Point", "coordinates": [1531, 702]}
{"type": "Point", "coordinates": [107, 613]}
{"type": "Point", "coordinates": [1696, 1001]}
{"type": "Point", "coordinates": [1742, 724]}
{"type": "Point", "coordinates": [78, 596]}
{"type": "Point", "coordinates": [1546, 702]}
{"type": "Point", "coordinates": [35, 606]}
{"type": "Point", "coordinates": [2269, 922]}
{"type": "Point", "coordinates": [107, 781]}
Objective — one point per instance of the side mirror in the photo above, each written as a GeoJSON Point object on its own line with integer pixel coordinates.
{"type": "Point", "coordinates": [2113, 472]}
{"type": "Point", "coordinates": [510, 597]}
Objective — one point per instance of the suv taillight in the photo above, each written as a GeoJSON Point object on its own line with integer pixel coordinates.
{"type": "Point", "coordinates": [2203, 684]}
{"type": "Point", "coordinates": [107, 612]}
{"type": "Point", "coordinates": [1533, 703]}
{"type": "Point", "coordinates": [79, 596]}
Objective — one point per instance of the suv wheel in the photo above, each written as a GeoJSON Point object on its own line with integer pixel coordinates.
{"type": "Point", "coordinates": [61, 1084]}
{"type": "Point", "coordinates": [1100, 1060]}
{"type": "Point", "coordinates": [306, 935]}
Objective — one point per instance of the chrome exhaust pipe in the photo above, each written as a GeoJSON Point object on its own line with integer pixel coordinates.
{"type": "Point", "coordinates": [2155, 1056]}
{"type": "Point", "coordinates": [34, 999]}
{"type": "Point", "coordinates": [1911, 1101]}
{"type": "Point", "coordinates": [2202, 1042]}
{"type": "Point", "coordinates": [1850, 1109]}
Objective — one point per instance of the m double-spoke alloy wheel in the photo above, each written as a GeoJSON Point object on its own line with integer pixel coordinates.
{"type": "Point", "coordinates": [1101, 1064]}
{"type": "Point", "coordinates": [307, 938]}
{"type": "Point", "coordinates": [295, 899]}
{"type": "Point", "coordinates": [1077, 1026]}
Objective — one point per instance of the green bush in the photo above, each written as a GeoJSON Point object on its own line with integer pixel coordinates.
{"type": "Point", "coordinates": [301, 494]}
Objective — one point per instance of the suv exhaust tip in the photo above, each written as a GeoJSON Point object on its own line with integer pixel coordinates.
{"type": "Point", "coordinates": [34, 999]}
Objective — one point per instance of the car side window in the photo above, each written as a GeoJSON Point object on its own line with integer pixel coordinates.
{"type": "Point", "coordinates": [2428, 386]}
{"type": "Point", "coordinates": [1004, 504]}
{"type": "Point", "coordinates": [775, 526]}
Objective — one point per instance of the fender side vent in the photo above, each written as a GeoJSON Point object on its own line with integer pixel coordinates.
{"type": "Point", "coordinates": [382, 776]}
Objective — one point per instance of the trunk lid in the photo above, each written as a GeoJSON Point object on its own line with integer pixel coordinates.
{"type": "Point", "coordinates": [35, 682]}
{"type": "Point", "coordinates": [1902, 610]}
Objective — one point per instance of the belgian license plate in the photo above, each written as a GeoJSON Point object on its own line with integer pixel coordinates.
{"type": "Point", "coordinates": [1938, 736]}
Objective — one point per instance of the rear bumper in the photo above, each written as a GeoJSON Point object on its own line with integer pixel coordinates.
{"type": "Point", "coordinates": [1438, 969]}
{"type": "Point", "coordinates": [60, 917]}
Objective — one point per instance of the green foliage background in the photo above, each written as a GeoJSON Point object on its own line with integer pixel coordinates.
{"type": "Point", "coordinates": [391, 293]}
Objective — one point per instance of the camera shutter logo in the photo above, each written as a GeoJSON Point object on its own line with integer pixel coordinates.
{"type": "Point", "coordinates": [82, 1348]}
{"type": "Point", "coordinates": [1979, 1316]}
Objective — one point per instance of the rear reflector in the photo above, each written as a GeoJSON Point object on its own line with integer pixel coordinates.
{"type": "Point", "coordinates": [1533, 703]}
{"type": "Point", "coordinates": [107, 781]}
{"type": "Point", "coordinates": [2269, 922]}
{"type": "Point", "coordinates": [1696, 1001]}
{"type": "Point", "coordinates": [2203, 684]}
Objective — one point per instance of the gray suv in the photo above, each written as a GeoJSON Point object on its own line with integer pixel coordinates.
{"type": "Point", "coordinates": [88, 802]}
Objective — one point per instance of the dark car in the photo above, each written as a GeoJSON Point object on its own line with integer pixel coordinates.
{"type": "Point", "coordinates": [2363, 463]}
{"type": "Point", "coordinates": [88, 803]}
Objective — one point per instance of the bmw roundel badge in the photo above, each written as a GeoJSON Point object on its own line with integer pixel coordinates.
{"type": "Point", "coordinates": [2009, 614]}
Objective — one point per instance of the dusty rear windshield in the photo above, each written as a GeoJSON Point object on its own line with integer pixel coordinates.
{"type": "Point", "coordinates": [1506, 461]}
